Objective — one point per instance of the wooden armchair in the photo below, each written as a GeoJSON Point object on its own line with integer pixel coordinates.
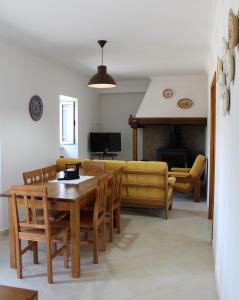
{"type": "Point", "coordinates": [114, 202]}
{"type": "Point", "coordinates": [32, 177]}
{"type": "Point", "coordinates": [188, 179]}
{"type": "Point", "coordinates": [92, 219]}
{"type": "Point", "coordinates": [29, 227]}
{"type": "Point", "coordinates": [49, 173]}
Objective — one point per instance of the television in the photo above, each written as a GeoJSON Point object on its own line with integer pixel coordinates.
{"type": "Point", "coordinates": [105, 142]}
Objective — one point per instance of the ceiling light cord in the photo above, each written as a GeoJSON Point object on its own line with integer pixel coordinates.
{"type": "Point", "coordinates": [102, 56]}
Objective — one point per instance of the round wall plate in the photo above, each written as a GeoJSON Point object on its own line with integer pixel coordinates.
{"type": "Point", "coordinates": [229, 67]}
{"type": "Point", "coordinates": [225, 48]}
{"type": "Point", "coordinates": [226, 101]}
{"type": "Point", "coordinates": [222, 84]}
{"type": "Point", "coordinates": [36, 108]}
{"type": "Point", "coordinates": [168, 93]}
{"type": "Point", "coordinates": [233, 29]}
{"type": "Point", "coordinates": [219, 68]}
{"type": "Point", "coordinates": [185, 103]}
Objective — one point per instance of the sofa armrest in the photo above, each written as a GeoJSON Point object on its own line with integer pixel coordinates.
{"type": "Point", "coordinates": [171, 181]}
{"type": "Point", "coordinates": [179, 174]}
{"type": "Point", "coordinates": [184, 170]}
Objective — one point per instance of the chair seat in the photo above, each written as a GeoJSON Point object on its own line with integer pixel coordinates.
{"type": "Point", "coordinates": [115, 205]}
{"type": "Point", "coordinates": [56, 229]}
{"type": "Point", "coordinates": [86, 219]}
{"type": "Point", "coordinates": [182, 186]}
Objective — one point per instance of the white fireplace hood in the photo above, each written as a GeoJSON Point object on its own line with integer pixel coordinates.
{"type": "Point", "coordinates": [193, 87]}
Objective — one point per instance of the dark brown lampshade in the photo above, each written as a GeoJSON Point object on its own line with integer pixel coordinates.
{"type": "Point", "coordinates": [102, 79]}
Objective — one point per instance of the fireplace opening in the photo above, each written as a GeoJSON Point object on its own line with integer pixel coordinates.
{"type": "Point", "coordinates": [174, 154]}
{"type": "Point", "coordinates": [178, 145]}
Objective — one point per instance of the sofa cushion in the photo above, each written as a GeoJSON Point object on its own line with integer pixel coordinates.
{"type": "Point", "coordinates": [147, 193]}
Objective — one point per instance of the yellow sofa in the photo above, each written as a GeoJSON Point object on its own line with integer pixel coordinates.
{"type": "Point", "coordinates": [145, 183]}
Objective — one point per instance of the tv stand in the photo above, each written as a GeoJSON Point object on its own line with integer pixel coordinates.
{"type": "Point", "coordinates": [105, 155]}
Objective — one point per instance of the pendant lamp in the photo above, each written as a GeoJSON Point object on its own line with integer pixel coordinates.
{"type": "Point", "coordinates": [102, 79]}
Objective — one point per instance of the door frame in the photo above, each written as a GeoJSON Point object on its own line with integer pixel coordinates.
{"type": "Point", "coordinates": [212, 146]}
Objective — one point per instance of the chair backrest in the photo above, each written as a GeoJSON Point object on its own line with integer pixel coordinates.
{"type": "Point", "coordinates": [90, 165]}
{"type": "Point", "coordinates": [27, 200]}
{"type": "Point", "coordinates": [49, 172]}
{"type": "Point", "coordinates": [33, 176]}
{"type": "Point", "coordinates": [198, 166]}
{"type": "Point", "coordinates": [101, 196]}
{"type": "Point", "coordinates": [117, 184]}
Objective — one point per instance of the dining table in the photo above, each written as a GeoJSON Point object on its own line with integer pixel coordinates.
{"type": "Point", "coordinates": [68, 197]}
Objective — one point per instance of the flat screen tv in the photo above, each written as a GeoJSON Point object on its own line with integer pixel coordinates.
{"type": "Point", "coordinates": [105, 142]}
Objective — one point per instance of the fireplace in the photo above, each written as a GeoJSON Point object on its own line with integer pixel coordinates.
{"type": "Point", "coordinates": [175, 140]}
{"type": "Point", "coordinates": [174, 154]}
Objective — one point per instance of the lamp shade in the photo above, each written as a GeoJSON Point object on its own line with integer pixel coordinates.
{"type": "Point", "coordinates": [102, 79]}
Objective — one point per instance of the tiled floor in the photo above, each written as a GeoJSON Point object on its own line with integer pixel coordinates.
{"type": "Point", "coordinates": [152, 259]}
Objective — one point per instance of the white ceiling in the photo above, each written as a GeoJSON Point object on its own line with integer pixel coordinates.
{"type": "Point", "coordinates": [148, 37]}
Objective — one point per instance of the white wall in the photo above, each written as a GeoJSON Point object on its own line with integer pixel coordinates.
{"type": "Point", "coordinates": [26, 144]}
{"type": "Point", "coordinates": [226, 223]}
{"type": "Point", "coordinates": [193, 87]}
{"type": "Point", "coordinates": [115, 111]}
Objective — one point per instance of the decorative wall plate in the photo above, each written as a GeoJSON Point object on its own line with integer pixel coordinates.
{"type": "Point", "coordinates": [219, 68]}
{"type": "Point", "coordinates": [168, 93]}
{"type": "Point", "coordinates": [222, 84]}
{"type": "Point", "coordinates": [185, 103]}
{"type": "Point", "coordinates": [229, 67]}
{"type": "Point", "coordinates": [233, 29]}
{"type": "Point", "coordinates": [36, 108]}
{"type": "Point", "coordinates": [226, 101]}
{"type": "Point", "coordinates": [225, 47]}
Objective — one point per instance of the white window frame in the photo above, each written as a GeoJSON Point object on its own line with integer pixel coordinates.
{"type": "Point", "coordinates": [73, 101]}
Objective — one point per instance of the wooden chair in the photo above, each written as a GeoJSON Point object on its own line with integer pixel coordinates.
{"type": "Point", "coordinates": [49, 173]}
{"type": "Point", "coordinates": [38, 176]}
{"type": "Point", "coordinates": [92, 219]}
{"type": "Point", "coordinates": [32, 177]}
{"type": "Point", "coordinates": [189, 179]}
{"type": "Point", "coordinates": [91, 165]}
{"type": "Point", "coordinates": [28, 227]}
{"type": "Point", "coordinates": [114, 202]}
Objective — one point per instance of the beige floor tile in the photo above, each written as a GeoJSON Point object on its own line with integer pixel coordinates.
{"type": "Point", "coordinates": [152, 259]}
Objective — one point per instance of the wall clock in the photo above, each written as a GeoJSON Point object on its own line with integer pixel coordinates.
{"type": "Point", "coordinates": [185, 103]}
{"type": "Point", "coordinates": [233, 29]}
{"type": "Point", "coordinates": [168, 93]}
{"type": "Point", "coordinates": [36, 108]}
{"type": "Point", "coordinates": [229, 67]}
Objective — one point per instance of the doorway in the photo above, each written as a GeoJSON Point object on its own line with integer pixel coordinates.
{"type": "Point", "coordinates": [212, 146]}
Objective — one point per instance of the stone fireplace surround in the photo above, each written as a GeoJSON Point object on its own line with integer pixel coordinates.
{"type": "Point", "coordinates": [156, 135]}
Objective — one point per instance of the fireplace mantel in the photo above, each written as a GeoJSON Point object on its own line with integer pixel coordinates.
{"type": "Point", "coordinates": [135, 122]}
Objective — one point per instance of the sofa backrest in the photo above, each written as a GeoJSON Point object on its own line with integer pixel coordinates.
{"type": "Point", "coordinates": [159, 179]}
{"type": "Point", "coordinates": [116, 164]}
{"type": "Point", "coordinates": [61, 161]}
{"type": "Point", "coordinates": [198, 166]}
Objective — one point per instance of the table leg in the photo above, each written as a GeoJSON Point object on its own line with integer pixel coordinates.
{"type": "Point", "coordinates": [11, 237]}
{"type": "Point", "coordinates": [75, 239]}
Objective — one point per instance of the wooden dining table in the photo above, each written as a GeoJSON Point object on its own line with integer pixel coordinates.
{"type": "Point", "coordinates": [63, 197]}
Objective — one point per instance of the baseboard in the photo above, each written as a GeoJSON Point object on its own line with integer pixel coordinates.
{"type": "Point", "coordinates": [4, 232]}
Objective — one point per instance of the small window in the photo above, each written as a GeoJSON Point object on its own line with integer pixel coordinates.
{"type": "Point", "coordinates": [67, 121]}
